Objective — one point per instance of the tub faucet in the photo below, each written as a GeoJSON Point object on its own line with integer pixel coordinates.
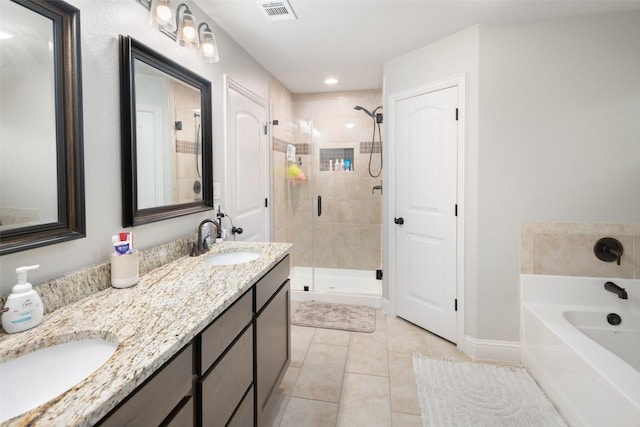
{"type": "Point", "coordinates": [612, 287]}
{"type": "Point", "coordinates": [199, 248]}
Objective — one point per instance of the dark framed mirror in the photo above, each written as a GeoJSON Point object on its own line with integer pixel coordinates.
{"type": "Point", "coordinates": [41, 134]}
{"type": "Point", "coordinates": [166, 137]}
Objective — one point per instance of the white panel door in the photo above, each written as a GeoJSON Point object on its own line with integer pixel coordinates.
{"type": "Point", "coordinates": [248, 151]}
{"type": "Point", "coordinates": [149, 158]}
{"type": "Point", "coordinates": [426, 182]}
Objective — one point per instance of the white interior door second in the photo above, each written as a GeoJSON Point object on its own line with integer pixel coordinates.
{"type": "Point", "coordinates": [247, 163]}
{"type": "Point", "coordinates": [425, 135]}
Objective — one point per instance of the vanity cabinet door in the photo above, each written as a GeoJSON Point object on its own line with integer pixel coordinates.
{"type": "Point", "coordinates": [273, 349]}
{"type": "Point", "coordinates": [223, 388]}
{"type": "Point", "coordinates": [153, 402]}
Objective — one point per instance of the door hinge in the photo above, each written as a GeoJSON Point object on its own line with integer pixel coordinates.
{"type": "Point", "coordinates": [265, 128]}
{"type": "Point", "coordinates": [266, 202]}
{"type": "Point", "coordinates": [456, 114]}
{"type": "Point", "coordinates": [455, 304]}
{"type": "Point", "coordinates": [456, 210]}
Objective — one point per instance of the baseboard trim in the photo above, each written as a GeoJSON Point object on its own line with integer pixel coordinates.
{"type": "Point", "coordinates": [502, 351]}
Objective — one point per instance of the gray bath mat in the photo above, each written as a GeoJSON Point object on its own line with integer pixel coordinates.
{"type": "Point", "coordinates": [347, 317]}
{"type": "Point", "coordinates": [474, 394]}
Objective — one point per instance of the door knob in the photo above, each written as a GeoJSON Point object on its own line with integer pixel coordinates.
{"type": "Point", "coordinates": [399, 221]}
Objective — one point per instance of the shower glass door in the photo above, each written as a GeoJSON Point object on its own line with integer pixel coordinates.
{"type": "Point", "coordinates": [325, 202]}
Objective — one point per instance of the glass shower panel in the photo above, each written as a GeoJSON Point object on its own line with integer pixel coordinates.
{"type": "Point", "coordinates": [330, 214]}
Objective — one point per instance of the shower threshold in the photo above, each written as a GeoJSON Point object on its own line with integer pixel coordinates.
{"type": "Point", "coordinates": [336, 285]}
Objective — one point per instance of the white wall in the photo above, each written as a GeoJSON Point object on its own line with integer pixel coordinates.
{"type": "Point", "coordinates": [101, 23]}
{"type": "Point", "coordinates": [559, 141]}
{"type": "Point", "coordinates": [553, 134]}
{"type": "Point", "coordinates": [452, 56]}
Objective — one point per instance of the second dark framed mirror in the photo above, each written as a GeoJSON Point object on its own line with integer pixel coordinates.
{"type": "Point", "coordinates": [166, 137]}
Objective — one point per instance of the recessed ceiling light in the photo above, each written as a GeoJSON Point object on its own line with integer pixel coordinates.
{"type": "Point", "coordinates": [331, 81]}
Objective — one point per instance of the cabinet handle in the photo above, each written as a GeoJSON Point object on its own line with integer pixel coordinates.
{"type": "Point", "coordinates": [319, 205]}
{"type": "Point", "coordinates": [399, 221]}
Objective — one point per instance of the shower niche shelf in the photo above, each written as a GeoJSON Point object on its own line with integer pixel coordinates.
{"type": "Point", "coordinates": [328, 155]}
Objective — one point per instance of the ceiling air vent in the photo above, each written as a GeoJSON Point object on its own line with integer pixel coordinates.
{"type": "Point", "coordinates": [277, 10]}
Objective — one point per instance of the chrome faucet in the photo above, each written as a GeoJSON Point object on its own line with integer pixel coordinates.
{"type": "Point", "coordinates": [612, 287]}
{"type": "Point", "coordinates": [199, 247]}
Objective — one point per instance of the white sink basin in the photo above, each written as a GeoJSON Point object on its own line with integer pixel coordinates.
{"type": "Point", "coordinates": [35, 378]}
{"type": "Point", "coordinates": [231, 258]}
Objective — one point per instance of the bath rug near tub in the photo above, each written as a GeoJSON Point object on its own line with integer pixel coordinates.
{"type": "Point", "coordinates": [346, 317]}
{"type": "Point", "coordinates": [474, 394]}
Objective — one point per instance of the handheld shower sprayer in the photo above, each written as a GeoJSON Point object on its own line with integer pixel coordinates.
{"type": "Point", "coordinates": [357, 107]}
{"type": "Point", "coordinates": [377, 119]}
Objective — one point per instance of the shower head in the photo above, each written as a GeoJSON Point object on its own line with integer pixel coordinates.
{"type": "Point", "coordinates": [368, 113]}
{"type": "Point", "coordinates": [357, 107]}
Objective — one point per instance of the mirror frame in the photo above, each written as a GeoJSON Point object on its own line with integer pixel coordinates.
{"type": "Point", "coordinates": [69, 135]}
{"type": "Point", "coordinates": [130, 50]}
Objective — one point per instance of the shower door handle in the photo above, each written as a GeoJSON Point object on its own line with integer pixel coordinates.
{"type": "Point", "coordinates": [319, 205]}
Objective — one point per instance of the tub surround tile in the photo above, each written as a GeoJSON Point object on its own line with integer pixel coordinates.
{"type": "Point", "coordinates": [150, 321]}
{"type": "Point", "coordinates": [566, 249]}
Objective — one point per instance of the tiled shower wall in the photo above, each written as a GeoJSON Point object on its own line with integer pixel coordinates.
{"type": "Point", "coordinates": [348, 233]}
{"type": "Point", "coordinates": [566, 249]}
{"type": "Point", "coordinates": [187, 164]}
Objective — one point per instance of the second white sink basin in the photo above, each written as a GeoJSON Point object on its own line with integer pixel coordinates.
{"type": "Point", "coordinates": [35, 378]}
{"type": "Point", "coordinates": [231, 258]}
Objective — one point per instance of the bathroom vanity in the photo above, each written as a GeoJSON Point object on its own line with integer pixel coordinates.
{"type": "Point", "coordinates": [197, 345]}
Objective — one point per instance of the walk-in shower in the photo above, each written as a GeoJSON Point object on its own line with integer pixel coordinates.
{"type": "Point", "coordinates": [332, 217]}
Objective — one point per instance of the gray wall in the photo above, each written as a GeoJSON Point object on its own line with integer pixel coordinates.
{"type": "Point", "coordinates": [559, 141]}
{"type": "Point", "coordinates": [552, 135]}
{"type": "Point", "coordinates": [101, 23]}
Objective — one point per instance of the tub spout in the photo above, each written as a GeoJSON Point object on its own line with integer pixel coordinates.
{"type": "Point", "coordinates": [612, 287]}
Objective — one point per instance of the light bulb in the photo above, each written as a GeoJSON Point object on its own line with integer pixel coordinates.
{"type": "Point", "coordinates": [164, 12]}
{"type": "Point", "coordinates": [189, 32]}
{"type": "Point", "coordinates": [207, 48]}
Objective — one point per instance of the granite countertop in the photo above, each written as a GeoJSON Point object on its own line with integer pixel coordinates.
{"type": "Point", "coordinates": [150, 322]}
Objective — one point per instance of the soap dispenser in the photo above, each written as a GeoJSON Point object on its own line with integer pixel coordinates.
{"type": "Point", "coordinates": [23, 309]}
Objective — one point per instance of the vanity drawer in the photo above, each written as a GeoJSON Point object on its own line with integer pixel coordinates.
{"type": "Point", "coordinates": [222, 389]}
{"type": "Point", "coordinates": [217, 336]}
{"type": "Point", "coordinates": [270, 282]}
{"type": "Point", "coordinates": [244, 415]}
{"type": "Point", "coordinates": [183, 417]}
{"type": "Point", "coordinates": [152, 402]}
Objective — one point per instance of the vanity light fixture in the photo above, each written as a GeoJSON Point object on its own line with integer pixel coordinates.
{"type": "Point", "coordinates": [180, 24]}
{"type": "Point", "coordinates": [208, 45]}
{"type": "Point", "coordinates": [161, 13]}
{"type": "Point", "coordinates": [331, 81]}
{"type": "Point", "coordinates": [187, 34]}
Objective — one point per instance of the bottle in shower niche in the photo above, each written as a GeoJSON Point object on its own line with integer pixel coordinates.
{"type": "Point", "coordinates": [342, 165]}
{"type": "Point", "coordinates": [330, 165]}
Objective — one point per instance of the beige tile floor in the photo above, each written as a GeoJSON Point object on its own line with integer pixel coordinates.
{"type": "Point", "coordinates": [339, 378]}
